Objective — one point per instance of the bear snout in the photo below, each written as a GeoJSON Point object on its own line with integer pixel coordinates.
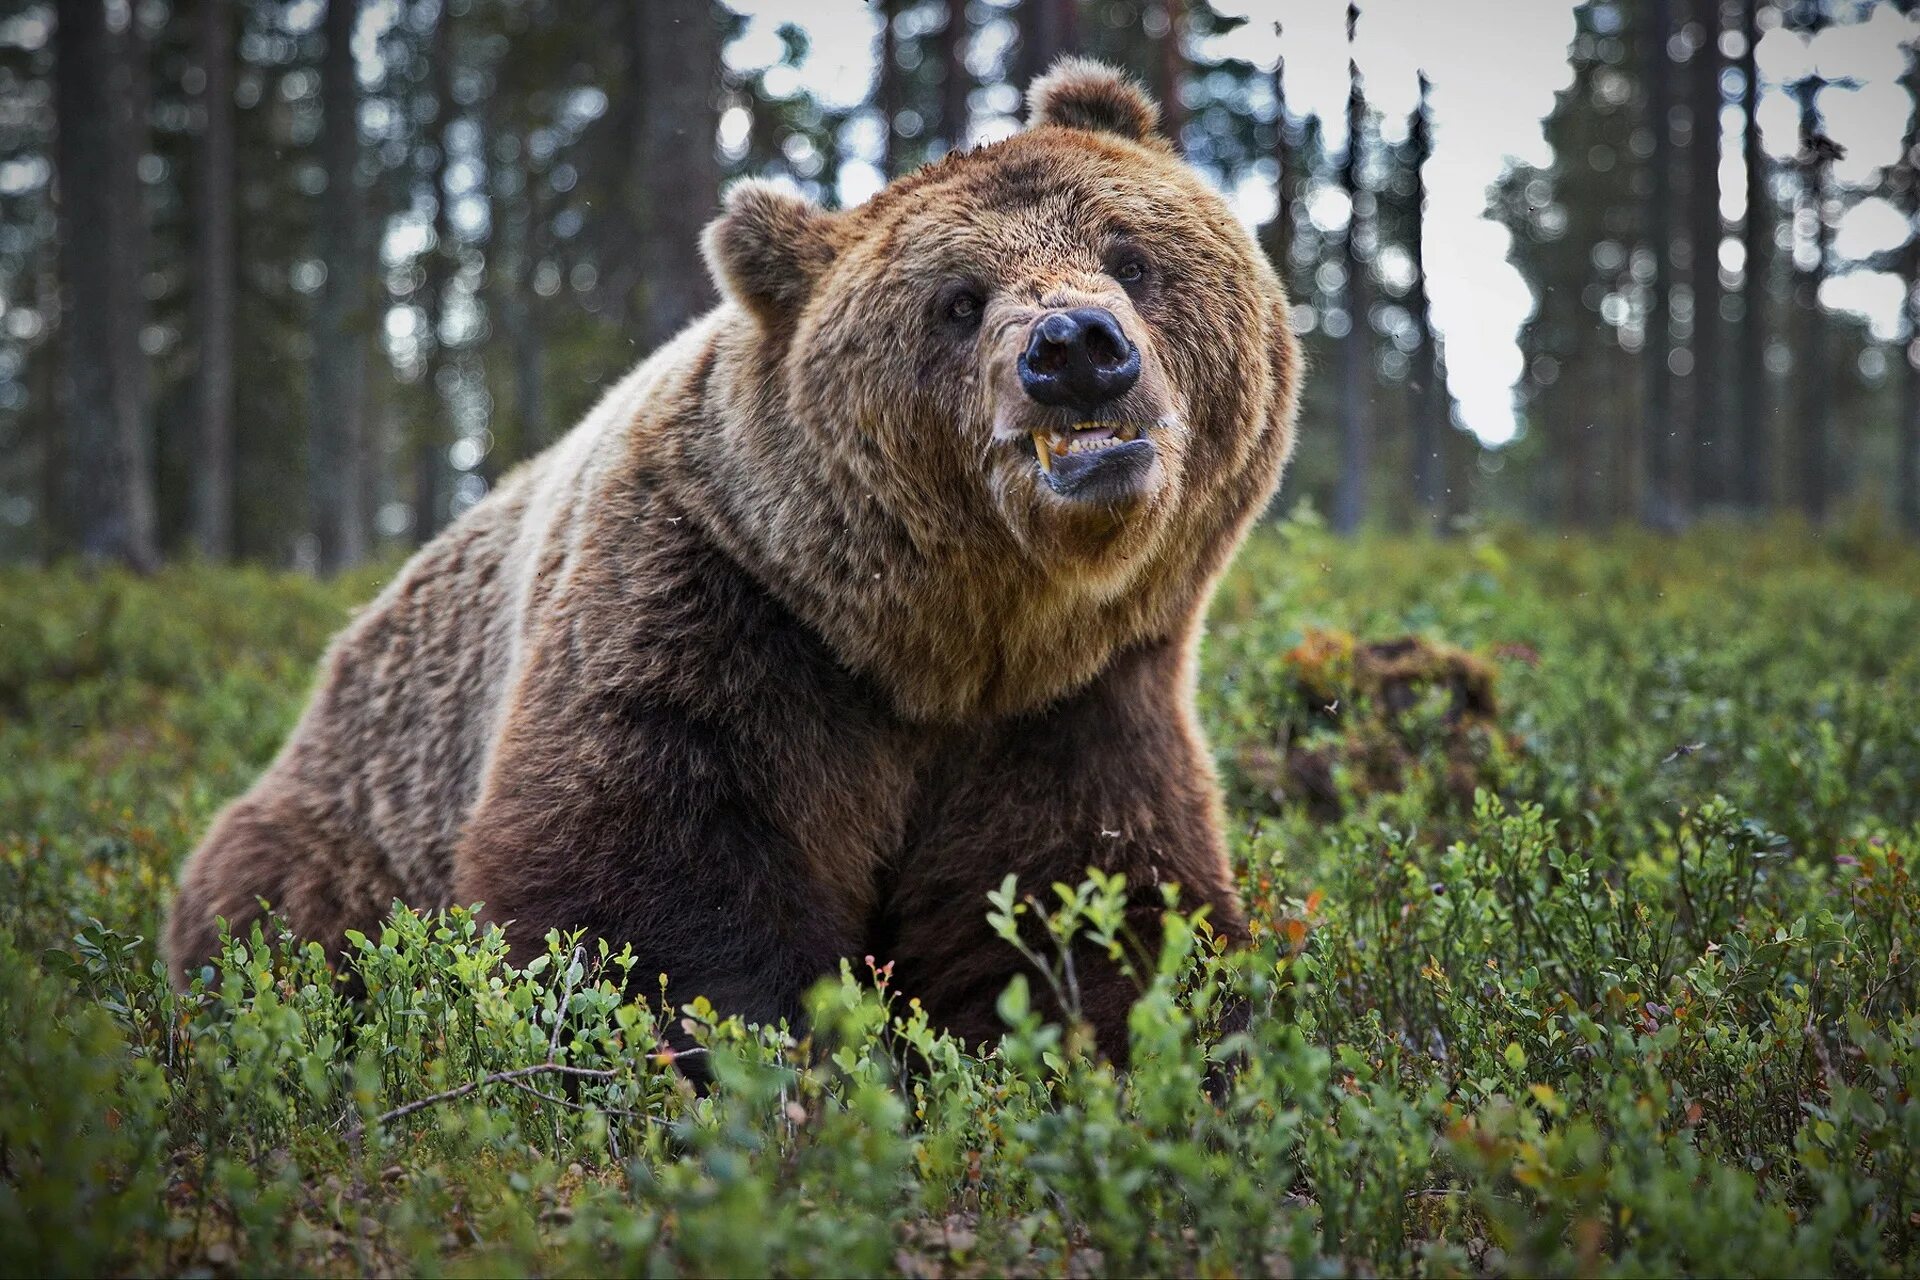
{"type": "Point", "coordinates": [1079, 359]}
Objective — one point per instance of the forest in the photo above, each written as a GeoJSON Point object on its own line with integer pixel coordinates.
{"type": "Point", "coordinates": [1565, 705]}
{"type": "Point", "coordinates": [312, 276]}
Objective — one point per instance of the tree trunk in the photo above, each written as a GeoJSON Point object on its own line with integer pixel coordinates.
{"type": "Point", "coordinates": [431, 434]}
{"type": "Point", "coordinates": [1356, 426]}
{"type": "Point", "coordinates": [1048, 30]}
{"type": "Point", "coordinates": [1810, 355]}
{"type": "Point", "coordinates": [1756, 237]}
{"type": "Point", "coordinates": [1428, 396]}
{"type": "Point", "coordinates": [886, 96]}
{"type": "Point", "coordinates": [1907, 482]}
{"type": "Point", "coordinates": [99, 139]}
{"type": "Point", "coordinates": [679, 77]}
{"type": "Point", "coordinates": [214, 284]}
{"type": "Point", "coordinates": [1286, 163]}
{"type": "Point", "coordinates": [956, 80]}
{"type": "Point", "coordinates": [1907, 479]}
{"type": "Point", "coordinates": [1709, 470]}
{"type": "Point", "coordinates": [1660, 487]}
{"type": "Point", "coordinates": [1170, 68]}
{"type": "Point", "coordinates": [336, 427]}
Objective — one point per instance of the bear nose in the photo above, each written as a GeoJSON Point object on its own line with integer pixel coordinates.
{"type": "Point", "coordinates": [1079, 359]}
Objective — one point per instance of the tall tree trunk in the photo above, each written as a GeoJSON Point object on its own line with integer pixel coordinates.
{"type": "Point", "coordinates": [1170, 67]}
{"type": "Point", "coordinates": [1660, 487]}
{"type": "Point", "coordinates": [886, 96]}
{"type": "Point", "coordinates": [214, 284]}
{"type": "Point", "coordinates": [1356, 355]}
{"type": "Point", "coordinates": [336, 428]}
{"type": "Point", "coordinates": [1810, 356]}
{"type": "Point", "coordinates": [1048, 30]}
{"type": "Point", "coordinates": [1907, 480]}
{"type": "Point", "coordinates": [1286, 163]}
{"type": "Point", "coordinates": [529, 370]}
{"type": "Point", "coordinates": [1756, 237]}
{"type": "Point", "coordinates": [956, 80]}
{"type": "Point", "coordinates": [1428, 396]}
{"type": "Point", "coordinates": [432, 434]}
{"type": "Point", "coordinates": [99, 139]}
{"type": "Point", "coordinates": [1709, 470]}
{"type": "Point", "coordinates": [679, 44]}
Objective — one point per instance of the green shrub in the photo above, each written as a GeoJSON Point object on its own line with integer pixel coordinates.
{"type": "Point", "coordinates": [1647, 1003]}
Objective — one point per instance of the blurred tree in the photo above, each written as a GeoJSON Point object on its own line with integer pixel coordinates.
{"type": "Point", "coordinates": [951, 125]}
{"type": "Point", "coordinates": [1426, 382]}
{"type": "Point", "coordinates": [33, 474]}
{"type": "Point", "coordinates": [1166, 23]}
{"type": "Point", "coordinates": [1278, 234]}
{"type": "Point", "coordinates": [886, 84]}
{"type": "Point", "coordinates": [1812, 258]}
{"type": "Point", "coordinates": [433, 431]}
{"type": "Point", "coordinates": [1906, 177]}
{"type": "Point", "coordinates": [1048, 29]}
{"type": "Point", "coordinates": [1575, 226]}
{"type": "Point", "coordinates": [1660, 479]}
{"type": "Point", "coordinates": [100, 103]}
{"type": "Point", "coordinates": [214, 281]}
{"type": "Point", "coordinates": [1704, 67]}
{"type": "Point", "coordinates": [679, 191]}
{"type": "Point", "coordinates": [336, 425]}
{"type": "Point", "coordinates": [1752, 476]}
{"type": "Point", "coordinates": [1356, 346]}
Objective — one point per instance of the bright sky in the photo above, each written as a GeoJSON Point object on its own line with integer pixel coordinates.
{"type": "Point", "coordinates": [1495, 67]}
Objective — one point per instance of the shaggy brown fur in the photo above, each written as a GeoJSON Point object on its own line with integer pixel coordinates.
{"type": "Point", "coordinates": [790, 652]}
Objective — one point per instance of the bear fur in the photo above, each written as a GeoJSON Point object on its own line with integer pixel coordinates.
{"type": "Point", "coordinates": [791, 650]}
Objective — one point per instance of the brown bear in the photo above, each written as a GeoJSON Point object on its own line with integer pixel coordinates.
{"type": "Point", "coordinates": [879, 582]}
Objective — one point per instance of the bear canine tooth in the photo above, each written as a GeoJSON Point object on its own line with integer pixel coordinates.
{"type": "Point", "coordinates": [1041, 451]}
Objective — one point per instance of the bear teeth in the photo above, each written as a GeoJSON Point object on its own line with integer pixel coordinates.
{"type": "Point", "coordinates": [1043, 451]}
{"type": "Point", "coordinates": [1081, 438]}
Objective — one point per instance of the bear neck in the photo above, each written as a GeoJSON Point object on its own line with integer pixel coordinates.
{"type": "Point", "coordinates": [951, 619]}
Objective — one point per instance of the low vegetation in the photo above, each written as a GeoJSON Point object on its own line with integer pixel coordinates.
{"type": "Point", "coordinates": [1588, 936]}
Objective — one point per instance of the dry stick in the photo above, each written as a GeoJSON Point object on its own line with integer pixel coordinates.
{"type": "Point", "coordinates": [473, 1086]}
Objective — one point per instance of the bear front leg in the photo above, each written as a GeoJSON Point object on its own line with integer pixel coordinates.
{"type": "Point", "coordinates": [1114, 777]}
{"type": "Point", "coordinates": [700, 781]}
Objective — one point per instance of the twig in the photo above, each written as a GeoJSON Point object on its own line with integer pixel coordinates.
{"type": "Point", "coordinates": [571, 1105]}
{"type": "Point", "coordinates": [474, 1086]}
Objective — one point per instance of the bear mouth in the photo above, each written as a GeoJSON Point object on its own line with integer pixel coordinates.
{"type": "Point", "coordinates": [1091, 461]}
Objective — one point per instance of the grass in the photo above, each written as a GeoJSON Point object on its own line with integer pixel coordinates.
{"type": "Point", "coordinates": [1619, 980]}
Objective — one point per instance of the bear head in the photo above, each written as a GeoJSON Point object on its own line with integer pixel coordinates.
{"type": "Point", "coordinates": [1055, 373]}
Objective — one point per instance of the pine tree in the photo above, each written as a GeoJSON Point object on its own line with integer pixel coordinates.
{"type": "Point", "coordinates": [1356, 359]}
{"type": "Point", "coordinates": [1753, 485]}
{"type": "Point", "coordinates": [336, 426]}
{"type": "Point", "coordinates": [100, 111]}
{"type": "Point", "coordinates": [1704, 68]}
{"type": "Point", "coordinates": [1426, 385]}
{"type": "Point", "coordinates": [214, 272]}
{"type": "Point", "coordinates": [1660, 480]}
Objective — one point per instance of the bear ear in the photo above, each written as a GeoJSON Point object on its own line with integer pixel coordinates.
{"type": "Point", "coordinates": [1079, 93]}
{"type": "Point", "coordinates": [767, 249]}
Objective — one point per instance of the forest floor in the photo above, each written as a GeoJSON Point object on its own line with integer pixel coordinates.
{"type": "Point", "coordinates": [1588, 939]}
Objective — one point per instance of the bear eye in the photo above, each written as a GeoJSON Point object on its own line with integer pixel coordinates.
{"type": "Point", "coordinates": [962, 305]}
{"type": "Point", "coordinates": [1130, 270]}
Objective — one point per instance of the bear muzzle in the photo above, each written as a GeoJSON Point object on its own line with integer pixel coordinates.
{"type": "Point", "coordinates": [1093, 461]}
